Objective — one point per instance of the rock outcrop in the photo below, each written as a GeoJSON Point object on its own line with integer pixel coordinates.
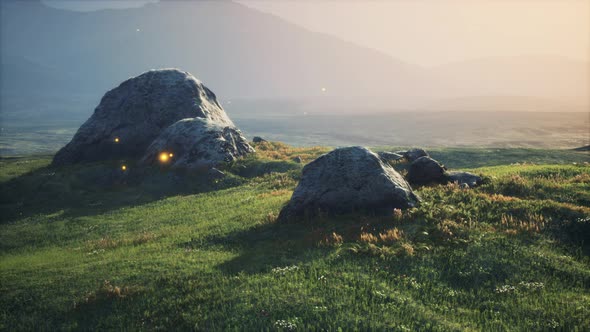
{"type": "Point", "coordinates": [131, 116]}
{"type": "Point", "coordinates": [196, 143]}
{"type": "Point", "coordinates": [348, 180]}
{"type": "Point", "coordinates": [426, 170]}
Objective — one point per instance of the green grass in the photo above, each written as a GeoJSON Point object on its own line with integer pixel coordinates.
{"type": "Point", "coordinates": [188, 253]}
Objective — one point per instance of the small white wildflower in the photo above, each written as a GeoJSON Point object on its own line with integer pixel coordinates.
{"type": "Point", "coordinates": [532, 285]}
{"type": "Point", "coordinates": [505, 289]}
{"type": "Point", "coordinates": [284, 270]}
{"type": "Point", "coordinates": [285, 324]}
{"type": "Point", "coordinates": [553, 324]}
{"type": "Point", "coordinates": [380, 294]}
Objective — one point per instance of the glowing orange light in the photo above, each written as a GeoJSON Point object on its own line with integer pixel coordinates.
{"type": "Point", "coordinates": [164, 157]}
{"type": "Point", "coordinates": [116, 139]}
{"type": "Point", "coordinates": [123, 168]}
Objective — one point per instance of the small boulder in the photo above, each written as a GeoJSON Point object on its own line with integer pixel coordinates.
{"type": "Point", "coordinates": [298, 160]}
{"type": "Point", "coordinates": [426, 170]}
{"type": "Point", "coordinates": [389, 156]}
{"type": "Point", "coordinates": [196, 143]}
{"type": "Point", "coordinates": [464, 179]}
{"type": "Point", "coordinates": [348, 180]}
{"type": "Point", "coordinates": [258, 139]}
{"type": "Point", "coordinates": [413, 154]}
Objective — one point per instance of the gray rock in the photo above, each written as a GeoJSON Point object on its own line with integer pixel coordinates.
{"type": "Point", "coordinates": [389, 156]}
{"type": "Point", "coordinates": [197, 143]}
{"type": "Point", "coordinates": [258, 139]}
{"type": "Point", "coordinates": [298, 160]}
{"type": "Point", "coordinates": [413, 154]}
{"type": "Point", "coordinates": [426, 170]}
{"type": "Point", "coordinates": [348, 180]}
{"type": "Point", "coordinates": [132, 115]}
{"type": "Point", "coordinates": [214, 173]}
{"type": "Point", "coordinates": [464, 178]}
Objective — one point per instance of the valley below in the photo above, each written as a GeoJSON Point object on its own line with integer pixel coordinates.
{"type": "Point", "coordinates": [296, 124]}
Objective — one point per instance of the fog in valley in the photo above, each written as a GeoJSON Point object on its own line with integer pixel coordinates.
{"type": "Point", "coordinates": [333, 73]}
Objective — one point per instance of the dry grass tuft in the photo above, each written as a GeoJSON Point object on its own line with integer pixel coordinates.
{"type": "Point", "coordinates": [532, 223]}
{"type": "Point", "coordinates": [331, 240]}
{"type": "Point", "coordinates": [106, 291]}
{"type": "Point", "coordinates": [391, 235]}
{"type": "Point", "coordinates": [270, 218]}
{"type": "Point", "coordinates": [407, 249]}
{"type": "Point", "coordinates": [282, 151]}
{"type": "Point", "coordinates": [398, 214]}
{"type": "Point", "coordinates": [368, 238]}
{"type": "Point", "coordinates": [581, 178]}
{"type": "Point", "coordinates": [275, 193]}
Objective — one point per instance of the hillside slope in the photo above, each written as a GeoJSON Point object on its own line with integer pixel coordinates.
{"type": "Point", "coordinates": [208, 255]}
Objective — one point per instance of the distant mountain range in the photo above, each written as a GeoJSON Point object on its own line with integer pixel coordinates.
{"type": "Point", "coordinates": [241, 53]}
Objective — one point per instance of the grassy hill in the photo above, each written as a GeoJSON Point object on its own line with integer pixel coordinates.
{"type": "Point", "coordinates": [96, 247]}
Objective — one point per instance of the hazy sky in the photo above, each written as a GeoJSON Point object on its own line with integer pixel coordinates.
{"type": "Point", "coordinates": [91, 5]}
{"type": "Point", "coordinates": [432, 32]}
{"type": "Point", "coordinates": [435, 32]}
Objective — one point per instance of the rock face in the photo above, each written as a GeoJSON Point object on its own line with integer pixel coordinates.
{"type": "Point", "coordinates": [197, 143]}
{"type": "Point", "coordinates": [132, 115]}
{"type": "Point", "coordinates": [348, 180]}
{"type": "Point", "coordinates": [413, 154]}
{"type": "Point", "coordinates": [426, 170]}
{"type": "Point", "coordinates": [464, 178]}
{"type": "Point", "coordinates": [258, 139]}
{"type": "Point", "coordinates": [389, 156]}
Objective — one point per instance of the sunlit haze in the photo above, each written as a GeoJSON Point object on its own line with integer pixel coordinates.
{"type": "Point", "coordinates": [436, 32]}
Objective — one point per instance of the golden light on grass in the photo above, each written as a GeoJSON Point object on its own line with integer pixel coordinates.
{"type": "Point", "coordinates": [116, 139]}
{"type": "Point", "coordinates": [124, 168]}
{"type": "Point", "coordinates": [164, 156]}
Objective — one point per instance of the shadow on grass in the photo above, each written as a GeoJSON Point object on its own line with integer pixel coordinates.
{"type": "Point", "coordinates": [96, 188]}
{"type": "Point", "coordinates": [276, 244]}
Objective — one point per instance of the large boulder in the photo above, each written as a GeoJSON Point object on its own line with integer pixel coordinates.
{"type": "Point", "coordinates": [196, 143]}
{"type": "Point", "coordinates": [415, 153]}
{"type": "Point", "coordinates": [426, 170]}
{"type": "Point", "coordinates": [132, 115]}
{"type": "Point", "coordinates": [348, 180]}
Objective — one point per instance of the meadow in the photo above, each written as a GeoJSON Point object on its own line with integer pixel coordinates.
{"type": "Point", "coordinates": [93, 247]}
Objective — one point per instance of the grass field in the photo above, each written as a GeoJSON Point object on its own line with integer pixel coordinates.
{"type": "Point", "coordinates": [94, 247]}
